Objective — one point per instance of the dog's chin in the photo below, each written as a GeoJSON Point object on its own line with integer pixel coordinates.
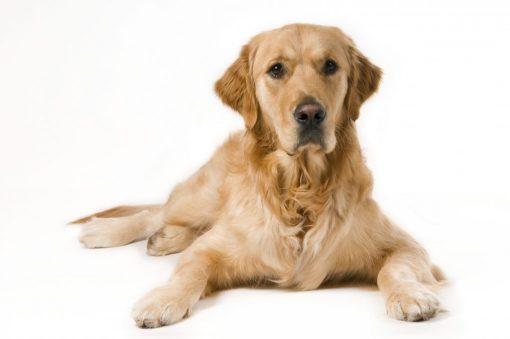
{"type": "Point", "coordinates": [315, 145]}
{"type": "Point", "coordinates": [311, 146]}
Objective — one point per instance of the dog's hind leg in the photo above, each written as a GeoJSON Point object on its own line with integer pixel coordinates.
{"type": "Point", "coordinates": [191, 209]}
{"type": "Point", "coordinates": [118, 231]}
{"type": "Point", "coordinates": [171, 239]}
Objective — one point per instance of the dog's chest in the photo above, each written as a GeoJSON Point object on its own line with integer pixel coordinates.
{"type": "Point", "coordinates": [302, 250]}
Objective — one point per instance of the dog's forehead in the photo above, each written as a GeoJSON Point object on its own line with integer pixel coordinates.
{"type": "Point", "coordinates": [300, 41]}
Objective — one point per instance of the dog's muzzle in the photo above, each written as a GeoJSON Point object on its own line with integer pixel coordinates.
{"type": "Point", "coordinates": [309, 114]}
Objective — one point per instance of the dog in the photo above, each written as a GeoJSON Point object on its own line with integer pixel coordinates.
{"type": "Point", "coordinates": [287, 201]}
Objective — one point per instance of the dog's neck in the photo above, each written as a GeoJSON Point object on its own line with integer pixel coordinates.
{"type": "Point", "coordinates": [297, 187]}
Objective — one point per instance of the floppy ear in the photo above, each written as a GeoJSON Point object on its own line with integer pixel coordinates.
{"type": "Point", "coordinates": [363, 81]}
{"type": "Point", "coordinates": [237, 90]}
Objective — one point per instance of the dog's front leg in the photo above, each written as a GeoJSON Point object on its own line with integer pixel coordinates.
{"type": "Point", "coordinates": [407, 280]}
{"type": "Point", "coordinates": [170, 303]}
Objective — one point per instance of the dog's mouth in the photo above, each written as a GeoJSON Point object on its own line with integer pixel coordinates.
{"type": "Point", "coordinates": [310, 138]}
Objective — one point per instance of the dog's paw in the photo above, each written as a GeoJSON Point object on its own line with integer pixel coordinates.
{"type": "Point", "coordinates": [104, 232]}
{"type": "Point", "coordinates": [413, 304]}
{"type": "Point", "coordinates": [160, 307]}
{"type": "Point", "coordinates": [170, 239]}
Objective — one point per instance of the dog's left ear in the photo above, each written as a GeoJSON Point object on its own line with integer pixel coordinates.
{"type": "Point", "coordinates": [237, 90]}
{"type": "Point", "coordinates": [363, 81]}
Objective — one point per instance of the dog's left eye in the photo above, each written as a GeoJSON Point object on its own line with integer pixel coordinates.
{"type": "Point", "coordinates": [330, 67]}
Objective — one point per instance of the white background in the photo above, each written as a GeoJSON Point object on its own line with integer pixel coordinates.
{"type": "Point", "coordinates": [110, 102]}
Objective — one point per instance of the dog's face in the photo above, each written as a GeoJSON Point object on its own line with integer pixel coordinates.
{"type": "Point", "coordinates": [300, 82]}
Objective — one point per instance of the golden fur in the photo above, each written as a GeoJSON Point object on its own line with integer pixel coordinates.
{"type": "Point", "coordinates": [266, 210]}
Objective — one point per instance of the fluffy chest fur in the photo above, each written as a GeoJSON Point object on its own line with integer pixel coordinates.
{"type": "Point", "coordinates": [308, 209]}
{"type": "Point", "coordinates": [295, 210]}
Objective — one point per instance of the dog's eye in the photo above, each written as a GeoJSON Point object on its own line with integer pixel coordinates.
{"type": "Point", "coordinates": [330, 67]}
{"type": "Point", "coordinates": [276, 71]}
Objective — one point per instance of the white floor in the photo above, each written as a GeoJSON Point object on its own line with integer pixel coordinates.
{"type": "Point", "coordinates": [51, 287]}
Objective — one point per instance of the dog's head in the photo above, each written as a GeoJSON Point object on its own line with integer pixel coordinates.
{"type": "Point", "coordinates": [299, 82]}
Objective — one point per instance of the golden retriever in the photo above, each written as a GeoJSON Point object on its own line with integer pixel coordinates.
{"type": "Point", "coordinates": [286, 201]}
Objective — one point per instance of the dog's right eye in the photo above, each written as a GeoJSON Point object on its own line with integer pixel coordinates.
{"type": "Point", "coordinates": [276, 71]}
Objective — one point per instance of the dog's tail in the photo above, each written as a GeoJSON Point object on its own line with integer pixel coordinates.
{"type": "Point", "coordinates": [119, 211]}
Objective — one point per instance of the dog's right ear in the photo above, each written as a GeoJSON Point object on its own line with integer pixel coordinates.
{"type": "Point", "coordinates": [237, 90]}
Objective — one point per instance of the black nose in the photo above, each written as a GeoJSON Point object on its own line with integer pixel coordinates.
{"type": "Point", "coordinates": [309, 113]}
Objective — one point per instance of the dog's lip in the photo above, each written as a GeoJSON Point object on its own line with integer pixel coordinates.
{"type": "Point", "coordinates": [314, 142]}
{"type": "Point", "coordinates": [314, 137]}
